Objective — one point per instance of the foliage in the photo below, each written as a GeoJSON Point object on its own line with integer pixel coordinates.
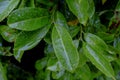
{"type": "Point", "coordinates": [80, 39]}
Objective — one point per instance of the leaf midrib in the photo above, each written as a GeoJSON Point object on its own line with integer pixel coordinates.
{"type": "Point", "coordinates": [64, 48]}
{"type": "Point", "coordinates": [26, 20]}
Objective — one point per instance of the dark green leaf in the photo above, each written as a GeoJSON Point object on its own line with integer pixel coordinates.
{"type": "Point", "coordinates": [83, 9]}
{"type": "Point", "coordinates": [28, 40]}
{"type": "Point", "coordinates": [40, 64]}
{"type": "Point", "coordinates": [118, 6]}
{"type": "Point", "coordinates": [98, 60]}
{"type": "Point", "coordinates": [5, 51]}
{"type": "Point", "coordinates": [36, 18]}
{"type": "Point", "coordinates": [74, 30]}
{"type": "Point", "coordinates": [65, 50]}
{"type": "Point", "coordinates": [8, 33]}
{"type": "Point", "coordinates": [2, 72]}
{"type": "Point", "coordinates": [6, 6]}
{"type": "Point", "coordinates": [27, 3]}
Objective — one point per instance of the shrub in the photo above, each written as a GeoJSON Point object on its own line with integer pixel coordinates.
{"type": "Point", "coordinates": [59, 39]}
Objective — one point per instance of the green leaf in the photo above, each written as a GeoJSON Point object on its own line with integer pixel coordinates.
{"type": "Point", "coordinates": [32, 3]}
{"type": "Point", "coordinates": [116, 43]}
{"type": "Point", "coordinates": [103, 1]}
{"type": "Point", "coordinates": [76, 43]}
{"type": "Point", "coordinates": [6, 6]}
{"type": "Point", "coordinates": [83, 9]}
{"type": "Point", "coordinates": [83, 59]}
{"type": "Point", "coordinates": [26, 3]}
{"type": "Point", "coordinates": [64, 48]}
{"type": "Point", "coordinates": [28, 40]}
{"type": "Point", "coordinates": [106, 36]}
{"type": "Point", "coordinates": [49, 51]}
{"type": "Point", "coordinates": [96, 41]}
{"type": "Point", "coordinates": [28, 19]}
{"type": "Point", "coordinates": [68, 76]}
{"type": "Point", "coordinates": [98, 60]}
{"type": "Point", "coordinates": [8, 33]}
{"type": "Point", "coordinates": [83, 73]}
{"type": "Point", "coordinates": [2, 72]}
{"type": "Point", "coordinates": [118, 6]}
{"type": "Point", "coordinates": [60, 20]}
{"type": "Point", "coordinates": [57, 75]}
{"type": "Point", "coordinates": [54, 65]}
{"type": "Point", "coordinates": [41, 64]}
{"type": "Point", "coordinates": [74, 30]}
{"type": "Point", "coordinates": [5, 51]}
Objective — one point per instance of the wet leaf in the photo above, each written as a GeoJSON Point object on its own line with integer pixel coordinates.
{"type": "Point", "coordinates": [98, 60]}
{"type": "Point", "coordinates": [64, 48]}
{"type": "Point", "coordinates": [6, 6]}
{"type": "Point", "coordinates": [36, 18]}
{"type": "Point", "coordinates": [28, 40]}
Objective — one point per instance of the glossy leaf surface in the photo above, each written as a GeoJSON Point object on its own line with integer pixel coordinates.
{"type": "Point", "coordinates": [98, 60]}
{"type": "Point", "coordinates": [36, 18]}
{"type": "Point", "coordinates": [83, 9]}
{"type": "Point", "coordinates": [6, 6]}
{"type": "Point", "coordinates": [96, 41]}
{"type": "Point", "coordinates": [65, 50]}
{"type": "Point", "coordinates": [28, 40]}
